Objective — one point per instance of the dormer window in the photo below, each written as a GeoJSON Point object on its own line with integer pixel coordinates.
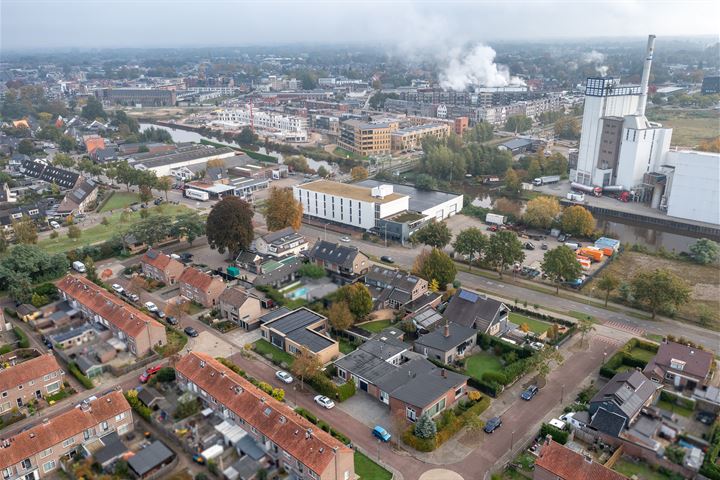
{"type": "Point", "coordinates": [677, 364]}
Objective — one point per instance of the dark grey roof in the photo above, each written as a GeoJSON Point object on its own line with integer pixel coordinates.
{"type": "Point", "coordinates": [516, 143]}
{"type": "Point", "coordinates": [234, 296]}
{"type": "Point", "coordinates": [437, 339]}
{"type": "Point", "coordinates": [314, 341]}
{"type": "Point", "coordinates": [366, 365]}
{"type": "Point", "coordinates": [628, 390]}
{"type": "Point", "coordinates": [149, 396]}
{"type": "Point", "coordinates": [246, 467]}
{"type": "Point", "coordinates": [71, 333]}
{"type": "Point", "coordinates": [295, 326]}
{"type": "Point", "coordinates": [273, 314]}
{"type": "Point", "coordinates": [390, 284]}
{"type": "Point", "coordinates": [282, 236]}
{"type": "Point", "coordinates": [334, 253]}
{"type": "Point", "coordinates": [113, 449]}
{"type": "Point", "coordinates": [422, 301]}
{"type": "Point", "coordinates": [608, 422]}
{"type": "Point", "coordinates": [420, 200]}
{"type": "Point", "coordinates": [150, 458]}
{"type": "Point", "coordinates": [419, 382]}
{"type": "Point", "coordinates": [427, 318]}
{"type": "Point", "coordinates": [247, 445]}
{"type": "Point", "coordinates": [290, 265]}
{"type": "Point", "coordinates": [182, 154]}
{"type": "Point", "coordinates": [383, 346]}
{"type": "Point", "coordinates": [473, 310]}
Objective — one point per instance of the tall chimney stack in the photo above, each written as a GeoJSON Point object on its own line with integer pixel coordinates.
{"type": "Point", "coordinates": [646, 75]}
{"type": "Point", "coordinates": [447, 329]}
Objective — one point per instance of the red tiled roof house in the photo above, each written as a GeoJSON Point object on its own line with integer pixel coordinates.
{"type": "Point", "coordinates": [557, 462]}
{"type": "Point", "coordinates": [30, 380]}
{"type": "Point", "coordinates": [200, 287]}
{"type": "Point", "coordinates": [163, 268]}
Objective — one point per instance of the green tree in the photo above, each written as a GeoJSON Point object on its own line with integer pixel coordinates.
{"type": "Point", "coordinates": [534, 170]}
{"type": "Point", "coordinates": [705, 251]}
{"type": "Point", "coordinates": [91, 271]}
{"type": "Point", "coordinates": [74, 232]}
{"type": "Point", "coordinates": [246, 137]}
{"type": "Point", "coordinates": [358, 299]}
{"type": "Point", "coordinates": [188, 225]}
{"type": "Point", "coordinates": [607, 283]}
{"type": "Point", "coordinates": [585, 325]}
{"type": "Point", "coordinates": [543, 358]}
{"type": "Point", "coordinates": [93, 109]}
{"type": "Point", "coordinates": [152, 229]}
{"type": "Point", "coordinates": [567, 128]}
{"type": "Point", "coordinates": [660, 289]}
{"type": "Point", "coordinates": [425, 182]}
{"type": "Point", "coordinates": [229, 226]}
{"type": "Point", "coordinates": [312, 270]}
{"type": "Point", "coordinates": [518, 124]}
{"type": "Point", "coordinates": [305, 365]}
{"type": "Point", "coordinates": [282, 210]}
{"type": "Point", "coordinates": [63, 160]}
{"type": "Point", "coordinates": [561, 264]}
{"type": "Point", "coordinates": [145, 194]}
{"type": "Point", "coordinates": [504, 249]}
{"type": "Point", "coordinates": [126, 174]}
{"type": "Point", "coordinates": [26, 146]}
{"type": "Point", "coordinates": [67, 143]}
{"type": "Point", "coordinates": [541, 211]}
{"type": "Point", "coordinates": [434, 234]}
{"type": "Point", "coordinates": [323, 172]}
{"type": "Point", "coordinates": [435, 265]}
{"type": "Point", "coordinates": [481, 132]}
{"type": "Point", "coordinates": [425, 427]}
{"type": "Point", "coordinates": [577, 220]}
{"type": "Point", "coordinates": [25, 231]}
{"type": "Point", "coordinates": [470, 242]}
{"type": "Point", "coordinates": [340, 316]}
{"type": "Point", "coordinates": [164, 184]}
{"type": "Point", "coordinates": [513, 184]}
{"type": "Point", "coordinates": [166, 375]}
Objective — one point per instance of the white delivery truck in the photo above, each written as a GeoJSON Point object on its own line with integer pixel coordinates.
{"type": "Point", "coordinates": [494, 219]}
{"type": "Point", "coordinates": [546, 180]}
{"type": "Point", "coordinates": [78, 266]}
{"type": "Point", "coordinates": [197, 194]}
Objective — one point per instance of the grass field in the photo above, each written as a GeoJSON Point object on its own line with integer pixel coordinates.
{"type": "Point", "coordinates": [535, 326]}
{"type": "Point", "coordinates": [120, 200]}
{"type": "Point", "coordinates": [263, 347]}
{"type": "Point", "coordinates": [100, 233]}
{"type": "Point", "coordinates": [480, 363]}
{"type": "Point", "coordinates": [642, 354]}
{"type": "Point", "coordinates": [345, 346]}
{"type": "Point", "coordinates": [376, 326]}
{"type": "Point", "coordinates": [641, 470]}
{"type": "Point", "coordinates": [672, 407]}
{"type": "Point", "coordinates": [366, 469]}
{"type": "Point", "coordinates": [704, 280]}
{"type": "Point", "coordinates": [690, 127]}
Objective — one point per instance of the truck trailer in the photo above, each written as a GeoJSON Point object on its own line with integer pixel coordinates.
{"type": "Point", "coordinates": [495, 219]}
{"type": "Point", "coordinates": [546, 180]}
{"type": "Point", "coordinates": [597, 191]}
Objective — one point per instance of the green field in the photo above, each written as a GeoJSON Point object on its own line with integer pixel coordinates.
{"type": "Point", "coordinates": [120, 200]}
{"type": "Point", "coordinates": [689, 131]}
{"type": "Point", "coordinates": [641, 470]}
{"type": "Point", "coordinates": [535, 326]}
{"type": "Point", "coordinates": [366, 469]}
{"type": "Point", "coordinates": [375, 326]}
{"type": "Point", "coordinates": [674, 408]}
{"type": "Point", "coordinates": [642, 354]}
{"type": "Point", "coordinates": [263, 347]}
{"type": "Point", "coordinates": [100, 233]}
{"type": "Point", "coordinates": [480, 363]}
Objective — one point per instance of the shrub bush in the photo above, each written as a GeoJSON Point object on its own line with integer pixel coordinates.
{"type": "Point", "coordinates": [560, 436]}
{"type": "Point", "coordinates": [85, 381]}
{"type": "Point", "coordinates": [677, 400]}
{"type": "Point", "coordinates": [494, 377]}
{"type": "Point", "coordinates": [23, 341]}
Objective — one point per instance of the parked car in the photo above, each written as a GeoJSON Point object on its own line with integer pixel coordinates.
{"type": "Point", "coordinates": [387, 259]}
{"type": "Point", "coordinates": [145, 376]}
{"type": "Point", "coordinates": [134, 297]}
{"type": "Point", "coordinates": [380, 433]}
{"type": "Point", "coordinates": [284, 376]}
{"type": "Point", "coordinates": [529, 393]}
{"type": "Point", "coordinates": [324, 401]}
{"type": "Point", "coordinates": [492, 424]}
{"type": "Point", "coordinates": [47, 342]}
{"type": "Point", "coordinates": [158, 201]}
{"type": "Point", "coordinates": [171, 320]}
{"type": "Point", "coordinates": [544, 246]}
{"type": "Point", "coordinates": [345, 239]}
{"type": "Point", "coordinates": [118, 289]}
{"type": "Point", "coordinates": [54, 224]}
{"type": "Point", "coordinates": [160, 314]}
{"type": "Point", "coordinates": [705, 417]}
{"type": "Point", "coordinates": [529, 246]}
{"type": "Point", "coordinates": [151, 307]}
{"type": "Point", "coordinates": [562, 237]}
{"type": "Point", "coordinates": [191, 332]}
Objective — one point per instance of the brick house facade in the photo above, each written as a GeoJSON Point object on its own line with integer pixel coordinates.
{"type": "Point", "coordinates": [158, 266]}
{"type": "Point", "coordinates": [200, 287]}
{"type": "Point", "coordinates": [30, 380]}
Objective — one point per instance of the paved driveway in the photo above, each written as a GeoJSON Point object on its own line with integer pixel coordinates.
{"type": "Point", "coordinates": [368, 410]}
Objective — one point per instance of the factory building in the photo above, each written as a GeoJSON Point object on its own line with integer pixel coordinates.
{"type": "Point", "coordinates": [621, 150]}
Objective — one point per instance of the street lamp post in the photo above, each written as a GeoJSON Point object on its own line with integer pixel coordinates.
{"type": "Point", "coordinates": [562, 393]}
{"type": "Point", "coordinates": [604, 356]}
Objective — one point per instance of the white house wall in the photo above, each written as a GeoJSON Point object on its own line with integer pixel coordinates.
{"type": "Point", "coordinates": [695, 191]}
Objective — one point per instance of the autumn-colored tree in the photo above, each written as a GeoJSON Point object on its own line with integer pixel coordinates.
{"type": "Point", "coordinates": [340, 316]}
{"type": "Point", "coordinates": [305, 365]}
{"type": "Point", "coordinates": [282, 210]}
{"type": "Point", "coordinates": [358, 299]}
{"type": "Point", "coordinates": [358, 173]}
{"type": "Point", "coordinates": [435, 265]}
{"type": "Point", "coordinates": [541, 211]}
{"type": "Point", "coordinates": [216, 163]}
{"type": "Point", "coordinates": [178, 309]}
{"type": "Point", "coordinates": [512, 181]}
{"type": "Point", "coordinates": [577, 220]}
{"type": "Point", "coordinates": [164, 184]}
{"type": "Point", "coordinates": [710, 145]}
{"type": "Point", "coordinates": [74, 232]}
{"type": "Point", "coordinates": [25, 231]}
{"type": "Point", "coordinates": [525, 327]}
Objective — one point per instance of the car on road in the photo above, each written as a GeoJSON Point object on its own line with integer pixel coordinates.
{"type": "Point", "coordinates": [544, 246]}
{"type": "Point", "coordinates": [345, 239]}
{"type": "Point", "coordinates": [705, 417]}
{"type": "Point", "coordinates": [171, 320]}
{"type": "Point", "coordinates": [118, 289]}
{"type": "Point", "coordinates": [54, 224]}
{"type": "Point", "coordinates": [380, 433]}
{"type": "Point", "coordinates": [145, 376]}
{"type": "Point", "coordinates": [324, 401]}
{"type": "Point", "coordinates": [48, 343]}
{"type": "Point", "coordinates": [284, 376]}
{"type": "Point", "coordinates": [492, 424]}
{"type": "Point", "coordinates": [160, 314]}
{"type": "Point", "coordinates": [529, 246]}
{"type": "Point", "coordinates": [151, 307]}
{"type": "Point", "coordinates": [191, 332]}
{"type": "Point", "coordinates": [529, 393]}
{"type": "Point", "coordinates": [387, 259]}
{"type": "Point", "coordinates": [134, 297]}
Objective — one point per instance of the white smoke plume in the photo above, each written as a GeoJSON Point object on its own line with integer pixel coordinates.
{"type": "Point", "coordinates": [476, 67]}
{"type": "Point", "coordinates": [597, 58]}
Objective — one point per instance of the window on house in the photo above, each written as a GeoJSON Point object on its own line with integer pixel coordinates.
{"type": "Point", "coordinates": [26, 464]}
{"type": "Point", "coordinates": [410, 414]}
{"type": "Point", "coordinates": [49, 466]}
{"type": "Point", "coordinates": [458, 392]}
{"type": "Point", "coordinates": [68, 442]}
{"type": "Point", "coordinates": [119, 417]}
{"type": "Point", "coordinates": [46, 452]}
{"type": "Point", "coordinates": [104, 426]}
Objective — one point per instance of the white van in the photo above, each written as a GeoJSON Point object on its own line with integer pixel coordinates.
{"type": "Point", "coordinates": [78, 266]}
{"type": "Point", "coordinates": [572, 246]}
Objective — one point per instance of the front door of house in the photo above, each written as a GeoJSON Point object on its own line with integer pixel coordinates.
{"type": "Point", "coordinates": [363, 386]}
{"type": "Point", "coordinates": [19, 402]}
{"type": "Point", "coordinates": [38, 394]}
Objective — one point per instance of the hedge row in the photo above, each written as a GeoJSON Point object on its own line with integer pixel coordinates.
{"type": "Point", "coordinates": [75, 370]}
{"type": "Point", "coordinates": [624, 357]}
{"type": "Point", "coordinates": [323, 425]}
{"type": "Point", "coordinates": [542, 316]}
{"type": "Point", "coordinates": [560, 436]}
{"type": "Point", "coordinates": [677, 400]}
{"type": "Point", "coordinates": [487, 341]}
{"type": "Point", "coordinates": [142, 410]}
{"type": "Point", "coordinates": [710, 468]}
{"type": "Point", "coordinates": [23, 341]}
{"type": "Point", "coordinates": [451, 422]}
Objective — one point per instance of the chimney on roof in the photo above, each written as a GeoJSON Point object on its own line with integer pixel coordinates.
{"type": "Point", "coordinates": [588, 458]}
{"type": "Point", "coordinates": [447, 329]}
{"type": "Point", "coordinates": [308, 433]}
{"type": "Point", "coordinates": [85, 406]}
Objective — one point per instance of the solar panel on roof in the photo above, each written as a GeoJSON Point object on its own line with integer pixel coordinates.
{"type": "Point", "coordinates": [469, 296]}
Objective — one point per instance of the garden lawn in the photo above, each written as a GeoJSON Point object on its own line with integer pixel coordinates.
{"type": "Point", "coordinates": [480, 363]}
{"type": "Point", "coordinates": [672, 407]}
{"type": "Point", "coordinates": [366, 469]}
{"type": "Point", "coordinates": [375, 326]}
{"type": "Point", "coordinates": [535, 326]}
{"type": "Point", "coordinates": [100, 233]}
{"type": "Point", "coordinates": [641, 470]}
{"type": "Point", "coordinates": [263, 347]}
{"type": "Point", "coordinates": [176, 340]}
{"type": "Point", "coordinates": [345, 346]}
{"type": "Point", "coordinates": [642, 354]}
{"type": "Point", "coordinates": [120, 200]}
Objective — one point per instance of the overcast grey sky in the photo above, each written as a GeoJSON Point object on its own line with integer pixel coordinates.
{"type": "Point", "coordinates": [412, 25]}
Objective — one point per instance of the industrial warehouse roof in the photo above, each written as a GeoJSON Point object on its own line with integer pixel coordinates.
{"type": "Point", "coordinates": [420, 200]}
{"type": "Point", "coordinates": [184, 154]}
{"type": "Point", "coordinates": [356, 191]}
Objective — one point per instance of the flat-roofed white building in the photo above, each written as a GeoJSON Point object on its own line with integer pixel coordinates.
{"type": "Point", "coordinates": [292, 128]}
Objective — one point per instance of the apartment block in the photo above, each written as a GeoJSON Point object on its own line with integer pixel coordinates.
{"type": "Point", "coordinates": [30, 380]}
{"type": "Point", "coordinates": [137, 330]}
{"type": "Point", "coordinates": [367, 138]}
{"type": "Point", "coordinates": [37, 452]}
{"type": "Point", "coordinates": [411, 138]}
{"type": "Point", "coordinates": [302, 449]}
